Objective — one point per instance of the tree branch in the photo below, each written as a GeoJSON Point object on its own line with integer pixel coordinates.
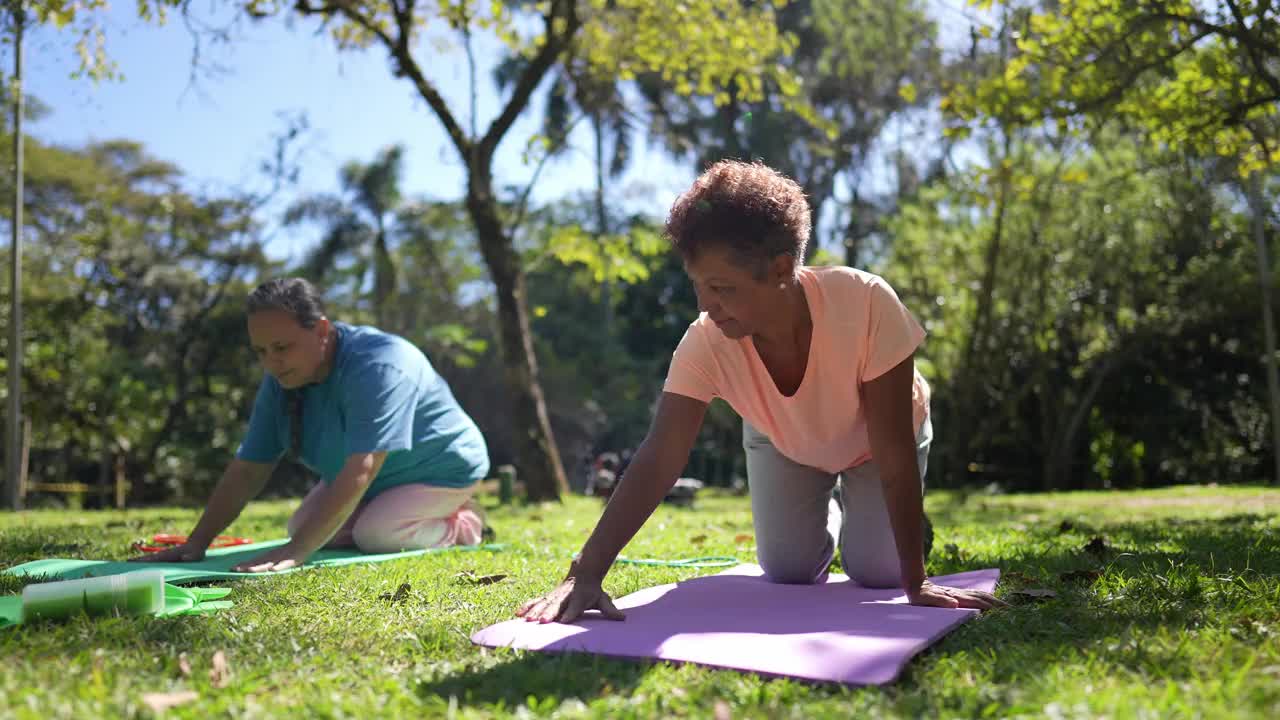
{"type": "Point", "coordinates": [398, 47]}
{"type": "Point", "coordinates": [523, 203]}
{"type": "Point", "coordinates": [1247, 40]}
{"type": "Point", "coordinates": [533, 73]}
{"type": "Point", "coordinates": [1123, 84]}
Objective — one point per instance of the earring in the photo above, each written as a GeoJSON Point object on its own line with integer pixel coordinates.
{"type": "Point", "coordinates": [782, 286]}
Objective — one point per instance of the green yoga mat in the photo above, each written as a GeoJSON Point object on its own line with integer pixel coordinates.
{"type": "Point", "coordinates": [10, 610]}
{"type": "Point", "coordinates": [177, 601]}
{"type": "Point", "coordinates": [217, 563]}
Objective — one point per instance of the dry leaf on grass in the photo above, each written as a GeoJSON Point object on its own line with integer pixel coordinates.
{"type": "Point", "coordinates": [698, 539]}
{"type": "Point", "coordinates": [220, 673]}
{"type": "Point", "coordinates": [1097, 546]}
{"type": "Point", "coordinates": [401, 594]}
{"type": "Point", "coordinates": [469, 578]}
{"type": "Point", "coordinates": [159, 702]}
{"type": "Point", "coordinates": [743, 538]}
{"type": "Point", "coordinates": [1015, 576]}
{"type": "Point", "coordinates": [1081, 576]}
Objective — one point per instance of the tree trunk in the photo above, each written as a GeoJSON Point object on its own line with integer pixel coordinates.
{"type": "Point", "coordinates": [602, 220]}
{"type": "Point", "coordinates": [1058, 460]}
{"type": "Point", "coordinates": [536, 454]}
{"type": "Point", "coordinates": [964, 420]}
{"type": "Point", "coordinates": [384, 279]}
{"type": "Point", "coordinates": [537, 458]}
{"type": "Point", "coordinates": [1268, 318]}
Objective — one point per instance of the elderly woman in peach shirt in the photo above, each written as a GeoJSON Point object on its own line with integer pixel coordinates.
{"type": "Point", "coordinates": [819, 362]}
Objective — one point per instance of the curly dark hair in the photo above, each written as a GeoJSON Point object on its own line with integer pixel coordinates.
{"type": "Point", "coordinates": [750, 208]}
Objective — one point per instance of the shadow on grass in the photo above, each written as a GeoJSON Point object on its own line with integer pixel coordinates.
{"type": "Point", "coordinates": [548, 677]}
{"type": "Point", "coordinates": [1173, 575]}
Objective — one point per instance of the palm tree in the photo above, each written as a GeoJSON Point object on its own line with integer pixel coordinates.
{"type": "Point", "coordinates": [359, 224]}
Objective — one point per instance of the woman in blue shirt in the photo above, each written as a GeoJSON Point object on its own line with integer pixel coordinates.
{"type": "Point", "coordinates": [398, 458]}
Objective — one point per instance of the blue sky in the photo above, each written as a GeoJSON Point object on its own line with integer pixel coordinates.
{"type": "Point", "coordinates": [220, 130]}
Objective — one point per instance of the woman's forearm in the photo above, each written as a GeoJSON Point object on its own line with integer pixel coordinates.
{"type": "Point", "coordinates": [637, 495]}
{"type": "Point", "coordinates": [337, 502]}
{"type": "Point", "coordinates": [241, 482]}
{"type": "Point", "coordinates": [905, 502]}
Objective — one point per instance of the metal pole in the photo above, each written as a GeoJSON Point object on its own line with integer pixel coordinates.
{"type": "Point", "coordinates": [13, 447]}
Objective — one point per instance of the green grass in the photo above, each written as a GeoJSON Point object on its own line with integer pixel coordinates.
{"type": "Point", "coordinates": [1182, 621]}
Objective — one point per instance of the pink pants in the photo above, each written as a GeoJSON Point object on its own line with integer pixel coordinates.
{"type": "Point", "coordinates": [406, 517]}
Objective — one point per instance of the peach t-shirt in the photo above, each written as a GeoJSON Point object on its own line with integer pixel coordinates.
{"type": "Point", "coordinates": [860, 331]}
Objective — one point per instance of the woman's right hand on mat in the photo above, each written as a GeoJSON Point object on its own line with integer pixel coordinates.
{"type": "Point", "coordinates": [178, 553]}
{"type": "Point", "coordinates": [948, 597]}
{"type": "Point", "coordinates": [568, 601]}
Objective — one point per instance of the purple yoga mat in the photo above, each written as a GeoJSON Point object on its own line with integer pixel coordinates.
{"type": "Point", "coordinates": [834, 632]}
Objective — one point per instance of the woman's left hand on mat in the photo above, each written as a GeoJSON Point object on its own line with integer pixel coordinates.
{"type": "Point", "coordinates": [948, 597]}
{"type": "Point", "coordinates": [285, 557]}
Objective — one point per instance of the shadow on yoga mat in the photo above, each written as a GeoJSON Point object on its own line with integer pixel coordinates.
{"type": "Point", "coordinates": [217, 563]}
{"type": "Point", "coordinates": [833, 632]}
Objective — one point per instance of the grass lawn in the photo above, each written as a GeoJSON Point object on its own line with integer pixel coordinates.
{"type": "Point", "coordinates": [1174, 613]}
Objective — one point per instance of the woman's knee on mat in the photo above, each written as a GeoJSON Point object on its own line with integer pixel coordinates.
{"type": "Point", "coordinates": [375, 537]}
{"type": "Point", "coordinates": [872, 574]}
{"type": "Point", "coordinates": [787, 566]}
{"type": "Point", "coordinates": [388, 532]}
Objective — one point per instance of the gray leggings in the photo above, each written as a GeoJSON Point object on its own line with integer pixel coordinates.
{"type": "Point", "coordinates": [790, 504]}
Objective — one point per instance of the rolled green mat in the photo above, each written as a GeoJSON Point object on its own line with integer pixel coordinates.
{"type": "Point", "coordinates": [135, 593]}
{"type": "Point", "coordinates": [177, 601]}
{"type": "Point", "coordinates": [194, 601]}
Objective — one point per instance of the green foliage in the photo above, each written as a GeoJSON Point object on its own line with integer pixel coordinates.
{"type": "Point", "coordinates": [134, 342]}
{"type": "Point", "coordinates": [608, 258]}
{"type": "Point", "coordinates": [1121, 316]}
{"type": "Point", "coordinates": [1196, 77]}
{"type": "Point", "coordinates": [863, 62]}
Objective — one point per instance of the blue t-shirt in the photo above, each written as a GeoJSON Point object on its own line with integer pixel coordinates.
{"type": "Point", "coordinates": [382, 395]}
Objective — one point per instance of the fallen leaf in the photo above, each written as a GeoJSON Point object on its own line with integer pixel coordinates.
{"type": "Point", "coordinates": [743, 538]}
{"type": "Point", "coordinates": [1097, 546]}
{"type": "Point", "coordinates": [1036, 593]}
{"type": "Point", "coordinates": [401, 594]}
{"type": "Point", "coordinates": [159, 702]}
{"type": "Point", "coordinates": [1066, 526]}
{"type": "Point", "coordinates": [1082, 576]}
{"type": "Point", "coordinates": [220, 673]}
{"type": "Point", "coordinates": [698, 539]}
{"type": "Point", "coordinates": [471, 578]}
{"type": "Point", "coordinates": [722, 711]}
{"type": "Point", "coordinates": [184, 665]}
